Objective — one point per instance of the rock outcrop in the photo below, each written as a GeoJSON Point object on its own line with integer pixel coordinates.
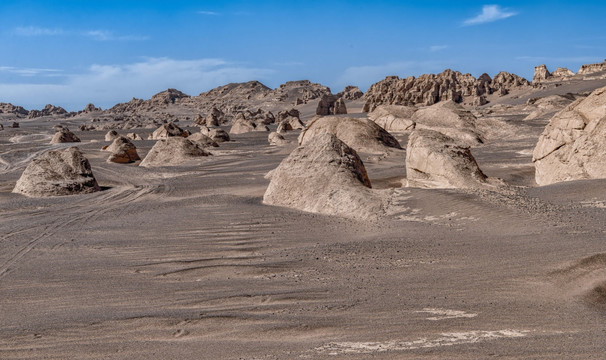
{"type": "Point", "coordinates": [49, 110]}
{"type": "Point", "coordinates": [323, 176]}
{"type": "Point", "coordinates": [214, 118]}
{"type": "Point", "coordinates": [57, 172]}
{"type": "Point", "coordinates": [592, 68]}
{"type": "Point", "coordinates": [572, 145]}
{"type": "Point", "coordinates": [134, 136]}
{"type": "Point", "coordinates": [274, 138]}
{"type": "Point", "coordinates": [173, 151]}
{"type": "Point", "coordinates": [562, 73]}
{"type": "Point", "coordinates": [432, 88]}
{"type": "Point", "coordinates": [15, 125]}
{"type": "Point", "coordinates": [450, 119]}
{"type": "Point", "coordinates": [435, 160]}
{"type": "Point", "coordinates": [64, 135]}
{"type": "Point", "coordinates": [289, 120]}
{"type": "Point", "coordinates": [540, 73]}
{"type": "Point", "coordinates": [351, 93]}
{"type": "Point", "coordinates": [168, 130]}
{"type": "Point", "coordinates": [122, 151]}
{"type": "Point", "coordinates": [331, 105]}
{"type": "Point", "coordinates": [8, 108]}
{"type": "Point", "coordinates": [394, 118]}
{"type": "Point", "coordinates": [203, 140]}
{"type": "Point", "coordinates": [218, 135]}
{"type": "Point", "coordinates": [248, 121]}
{"type": "Point", "coordinates": [111, 135]}
{"type": "Point", "coordinates": [90, 108]}
{"type": "Point", "coordinates": [362, 135]}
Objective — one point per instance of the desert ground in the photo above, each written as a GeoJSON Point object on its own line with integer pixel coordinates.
{"type": "Point", "coordinates": [187, 262]}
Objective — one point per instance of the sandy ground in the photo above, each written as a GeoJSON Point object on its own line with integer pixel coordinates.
{"type": "Point", "coordinates": [187, 263]}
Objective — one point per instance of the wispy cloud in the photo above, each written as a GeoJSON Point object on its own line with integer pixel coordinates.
{"type": "Point", "coordinates": [211, 13]}
{"type": "Point", "coordinates": [490, 13]}
{"type": "Point", "coordinates": [37, 31]}
{"type": "Point", "coordinates": [106, 35]}
{"type": "Point", "coordinates": [435, 48]}
{"type": "Point", "coordinates": [29, 72]}
{"type": "Point", "coordinates": [107, 85]}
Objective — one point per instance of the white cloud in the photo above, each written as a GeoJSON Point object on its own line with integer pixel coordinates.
{"type": "Point", "coordinates": [490, 13]}
{"type": "Point", "coordinates": [106, 85]}
{"type": "Point", "coordinates": [435, 48]}
{"type": "Point", "coordinates": [212, 13]}
{"type": "Point", "coordinates": [30, 71]}
{"type": "Point", "coordinates": [105, 35]}
{"type": "Point", "coordinates": [37, 31]}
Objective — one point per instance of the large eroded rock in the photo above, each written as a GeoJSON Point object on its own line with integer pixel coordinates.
{"type": "Point", "coordinates": [362, 135]}
{"type": "Point", "coordinates": [57, 172]}
{"type": "Point", "coordinates": [572, 146]}
{"type": "Point", "coordinates": [168, 130]}
{"type": "Point", "coordinates": [435, 160]}
{"type": "Point", "coordinates": [173, 151]}
{"type": "Point", "coordinates": [323, 176]}
{"type": "Point", "coordinates": [122, 151]}
{"type": "Point", "coordinates": [64, 135]}
{"type": "Point", "coordinates": [394, 118]}
{"type": "Point", "coordinates": [450, 119]}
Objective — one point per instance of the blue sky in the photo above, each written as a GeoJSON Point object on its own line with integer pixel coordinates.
{"type": "Point", "coordinates": [69, 53]}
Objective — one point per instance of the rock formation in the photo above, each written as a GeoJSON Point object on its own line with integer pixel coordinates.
{"type": "Point", "coordinates": [289, 120]}
{"type": "Point", "coordinates": [437, 161]}
{"type": "Point", "coordinates": [8, 108]}
{"type": "Point", "coordinates": [431, 88]}
{"type": "Point", "coordinates": [540, 73]}
{"type": "Point", "coordinates": [49, 110]}
{"type": "Point", "coordinates": [64, 136]}
{"type": "Point", "coordinates": [111, 135]}
{"type": "Point", "coordinates": [248, 121]}
{"type": "Point", "coordinates": [168, 130]}
{"type": "Point", "coordinates": [15, 125]}
{"type": "Point", "coordinates": [90, 108]}
{"type": "Point", "coordinates": [362, 135]}
{"type": "Point", "coordinates": [215, 118]}
{"type": "Point", "coordinates": [57, 172]}
{"type": "Point", "coordinates": [331, 105]}
{"type": "Point", "coordinates": [1, 127]}
{"type": "Point", "coordinates": [351, 93]}
{"type": "Point", "coordinates": [572, 145]}
{"type": "Point", "coordinates": [173, 151]}
{"type": "Point", "coordinates": [133, 136]}
{"type": "Point", "coordinates": [323, 176]}
{"type": "Point", "coordinates": [394, 118]}
{"type": "Point", "coordinates": [275, 138]}
{"type": "Point", "coordinates": [562, 73]}
{"type": "Point", "coordinates": [218, 135]}
{"type": "Point", "coordinates": [203, 140]}
{"type": "Point", "coordinates": [122, 151]}
{"type": "Point", "coordinates": [450, 119]}
{"type": "Point", "coordinates": [592, 68]}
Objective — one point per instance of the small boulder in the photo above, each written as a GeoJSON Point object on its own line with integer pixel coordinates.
{"type": "Point", "coordinates": [218, 135]}
{"type": "Point", "coordinates": [57, 172]}
{"type": "Point", "coordinates": [64, 136]}
{"type": "Point", "coordinates": [168, 130]}
{"type": "Point", "coordinates": [275, 138]}
{"type": "Point", "coordinates": [122, 151]}
{"type": "Point", "coordinates": [111, 135]}
{"type": "Point", "coordinates": [173, 151]}
{"type": "Point", "coordinates": [133, 136]}
{"type": "Point", "coordinates": [203, 140]}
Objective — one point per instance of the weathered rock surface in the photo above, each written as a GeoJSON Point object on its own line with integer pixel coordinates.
{"type": "Point", "coordinates": [432, 88]}
{"type": "Point", "coordinates": [394, 118]}
{"type": "Point", "coordinates": [289, 120]}
{"type": "Point", "coordinates": [274, 138]}
{"type": "Point", "coordinates": [122, 151]}
{"type": "Point", "coordinates": [450, 119]}
{"type": "Point", "coordinates": [90, 108]}
{"type": "Point", "coordinates": [134, 136]}
{"type": "Point", "coordinates": [203, 140]}
{"type": "Point", "coordinates": [173, 151]}
{"type": "Point", "coordinates": [351, 93]}
{"type": "Point", "coordinates": [248, 121]}
{"type": "Point", "coordinates": [218, 135]}
{"type": "Point", "coordinates": [64, 135]}
{"type": "Point", "coordinates": [331, 105]}
{"type": "Point", "coordinates": [362, 135]}
{"type": "Point", "coordinates": [168, 130]}
{"type": "Point", "coordinates": [562, 73]}
{"type": "Point", "coordinates": [572, 145]}
{"type": "Point", "coordinates": [323, 176]}
{"type": "Point", "coordinates": [435, 160]}
{"type": "Point", "coordinates": [111, 135]}
{"type": "Point", "coordinates": [592, 68]}
{"type": "Point", "coordinates": [49, 110]}
{"type": "Point", "coordinates": [540, 73]}
{"type": "Point", "coordinates": [8, 108]}
{"type": "Point", "coordinates": [57, 172]}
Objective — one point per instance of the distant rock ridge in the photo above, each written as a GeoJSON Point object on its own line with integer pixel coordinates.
{"type": "Point", "coordinates": [8, 108]}
{"type": "Point", "coordinates": [542, 74]}
{"type": "Point", "coordinates": [592, 68]}
{"type": "Point", "coordinates": [429, 89]}
{"type": "Point", "coordinates": [49, 110]}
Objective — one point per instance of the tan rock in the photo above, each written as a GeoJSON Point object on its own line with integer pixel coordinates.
{"type": "Point", "coordinates": [540, 74]}
{"type": "Point", "coordinates": [168, 130]}
{"type": "Point", "coordinates": [57, 172]}
{"type": "Point", "coordinates": [111, 135]}
{"type": "Point", "coordinates": [331, 105]}
{"type": "Point", "coordinates": [435, 160]}
{"type": "Point", "coordinates": [134, 136]}
{"type": "Point", "coordinates": [218, 135]}
{"type": "Point", "coordinates": [362, 135]}
{"type": "Point", "coordinates": [323, 176]}
{"type": "Point", "coordinates": [64, 136]}
{"type": "Point", "coordinates": [203, 140]}
{"type": "Point", "coordinates": [572, 145]}
{"type": "Point", "coordinates": [122, 151]}
{"type": "Point", "coordinates": [173, 151]}
{"type": "Point", "coordinates": [394, 118]}
{"type": "Point", "coordinates": [450, 119]}
{"type": "Point", "coordinates": [276, 139]}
